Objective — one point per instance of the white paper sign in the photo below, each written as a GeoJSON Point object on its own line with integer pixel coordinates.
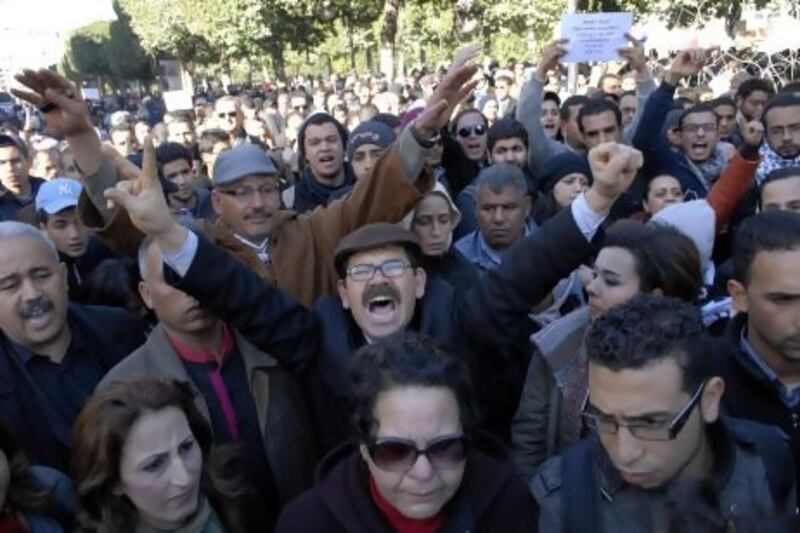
{"type": "Point", "coordinates": [91, 93]}
{"type": "Point", "coordinates": [177, 100]}
{"type": "Point", "coordinates": [595, 36]}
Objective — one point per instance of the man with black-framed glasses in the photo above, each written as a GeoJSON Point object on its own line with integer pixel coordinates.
{"type": "Point", "coordinates": [659, 456]}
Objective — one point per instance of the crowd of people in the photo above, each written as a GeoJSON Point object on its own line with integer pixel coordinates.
{"type": "Point", "coordinates": [464, 302]}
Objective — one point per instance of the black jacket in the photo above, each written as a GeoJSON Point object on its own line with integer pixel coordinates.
{"type": "Point", "coordinates": [79, 269]}
{"type": "Point", "coordinates": [453, 268]}
{"type": "Point", "coordinates": [105, 333]}
{"type": "Point", "coordinates": [748, 392]}
{"type": "Point", "coordinates": [477, 325]}
{"type": "Point", "coordinates": [490, 498]}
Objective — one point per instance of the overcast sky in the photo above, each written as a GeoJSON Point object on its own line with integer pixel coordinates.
{"type": "Point", "coordinates": [60, 15]}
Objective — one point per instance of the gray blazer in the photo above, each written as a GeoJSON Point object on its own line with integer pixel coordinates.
{"type": "Point", "coordinates": [280, 405]}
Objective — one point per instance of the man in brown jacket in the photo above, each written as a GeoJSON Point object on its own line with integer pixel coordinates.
{"type": "Point", "coordinates": [300, 247]}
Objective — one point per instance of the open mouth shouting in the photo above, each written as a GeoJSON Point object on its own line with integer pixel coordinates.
{"type": "Point", "coordinates": [39, 314]}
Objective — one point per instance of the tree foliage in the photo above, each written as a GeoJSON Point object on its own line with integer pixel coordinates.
{"type": "Point", "coordinates": [316, 36]}
{"type": "Point", "coordinates": [106, 51]}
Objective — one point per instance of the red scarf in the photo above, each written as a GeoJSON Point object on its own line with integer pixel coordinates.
{"type": "Point", "coordinates": [403, 524]}
{"type": "Point", "coordinates": [9, 523]}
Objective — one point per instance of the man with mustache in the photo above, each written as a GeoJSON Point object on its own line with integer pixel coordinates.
{"type": "Point", "coordinates": [247, 397]}
{"type": "Point", "coordinates": [294, 251]}
{"type": "Point", "coordinates": [52, 352]}
{"type": "Point", "coordinates": [759, 357]}
{"type": "Point", "coordinates": [782, 124]}
{"type": "Point", "coordinates": [382, 289]}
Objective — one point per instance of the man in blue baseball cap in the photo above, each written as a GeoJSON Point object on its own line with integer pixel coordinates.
{"type": "Point", "coordinates": [78, 249]}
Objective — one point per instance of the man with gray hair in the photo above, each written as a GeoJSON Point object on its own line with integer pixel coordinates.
{"type": "Point", "coordinates": [502, 207]}
{"type": "Point", "coordinates": [52, 353]}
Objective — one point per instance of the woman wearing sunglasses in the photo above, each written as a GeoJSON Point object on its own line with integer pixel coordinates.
{"type": "Point", "coordinates": [465, 149]}
{"type": "Point", "coordinates": [417, 466]}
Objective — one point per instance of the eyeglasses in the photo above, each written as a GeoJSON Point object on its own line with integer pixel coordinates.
{"type": "Point", "coordinates": [393, 268]}
{"type": "Point", "coordinates": [399, 455]}
{"type": "Point", "coordinates": [656, 431]}
{"type": "Point", "coordinates": [477, 129]}
{"type": "Point", "coordinates": [246, 193]}
{"type": "Point", "coordinates": [230, 114]}
{"type": "Point", "coordinates": [694, 128]}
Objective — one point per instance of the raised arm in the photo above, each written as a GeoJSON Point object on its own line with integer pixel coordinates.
{"type": "Point", "coordinates": [264, 315]}
{"type": "Point", "coordinates": [737, 178]}
{"type": "Point", "coordinates": [645, 85]}
{"type": "Point", "coordinates": [399, 179]}
{"type": "Point", "coordinates": [658, 155]}
{"type": "Point", "coordinates": [59, 101]}
{"type": "Point", "coordinates": [495, 313]}
{"type": "Point", "coordinates": [529, 108]}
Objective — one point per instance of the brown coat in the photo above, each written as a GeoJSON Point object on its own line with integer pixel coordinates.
{"type": "Point", "coordinates": [282, 414]}
{"type": "Point", "coordinates": [301, 245]}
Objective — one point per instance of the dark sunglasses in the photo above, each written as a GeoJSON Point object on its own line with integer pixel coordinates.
{"type": "Point", "coordinates": [477, 129]}
{"type": "Point", "coordinates": [399, 455]}
{"type": "Point", "coordinates": [230, 114]}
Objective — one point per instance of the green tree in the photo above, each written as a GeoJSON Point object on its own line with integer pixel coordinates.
{"type": "Point", "coordinates": [85, 54]}
{"type": "Point", "coordinates": [126, 58]}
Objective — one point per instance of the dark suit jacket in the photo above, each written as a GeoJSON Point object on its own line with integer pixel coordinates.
{"type": "Point", "coordinates": [110, 335]}
{"type": "Point", "coordinates": [320, 343]}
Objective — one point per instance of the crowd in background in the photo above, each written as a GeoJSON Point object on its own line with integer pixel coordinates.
{"type": "Point", "coordinates": [465, 300]}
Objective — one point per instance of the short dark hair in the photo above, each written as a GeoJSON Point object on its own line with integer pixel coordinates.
{"type": "Point", "coordinates": [771, 231]}
{"type": "Point", "coordinates": [702, 107]}
{"type": "Point", "coordinates": [596, 106]}
{"type": "Point", "coordinates": [317, 119]}
{"type": "Point", "coordinates": [575, 99]}
{"type": "Point", "coordinates": [169, 152]}
{"type": "Point", "coordinates": [627, 93]}
{"type": "Point", "coordinates": [665, 258]}
{"type": "Point", "coordinates": [723, 100]}
{"type": "Point", "coordinates": [553, 97]}
{"type": "Point", "coordinates": [649, 329]}
{"type": "Point", "coordinates": [748, 87]}
{"type": "Point", "coordinates": [406, 360]}
{"type": "Point", "coordinates": [207, 140]}
{"type": "Point", "coordinates": [7, 141]}
{"type": "Point", "coordinates": [777, 175]}
{"type": "Point", "coordinates": [781, 100]}
{"type": "Point", "coordinates": [506, 128]}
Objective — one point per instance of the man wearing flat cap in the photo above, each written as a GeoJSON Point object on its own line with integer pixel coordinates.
{"type": "Point", "coordinates": [293, 251]}
{"type": "Point", "coordinates": [381, 288]}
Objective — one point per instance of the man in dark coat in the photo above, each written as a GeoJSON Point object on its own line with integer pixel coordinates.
{"type": "Point", "coordinates": [52, 353]}
{"type": "Point", "coordinates": [759, 357]}
{"type": "Point", "coordinates": [381, 289]}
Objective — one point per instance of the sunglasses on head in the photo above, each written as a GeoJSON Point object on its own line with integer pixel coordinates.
{"type": "Point", "coordinates": [399, 455]}
{"type": "Point", "coordinates": [477, 129]}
